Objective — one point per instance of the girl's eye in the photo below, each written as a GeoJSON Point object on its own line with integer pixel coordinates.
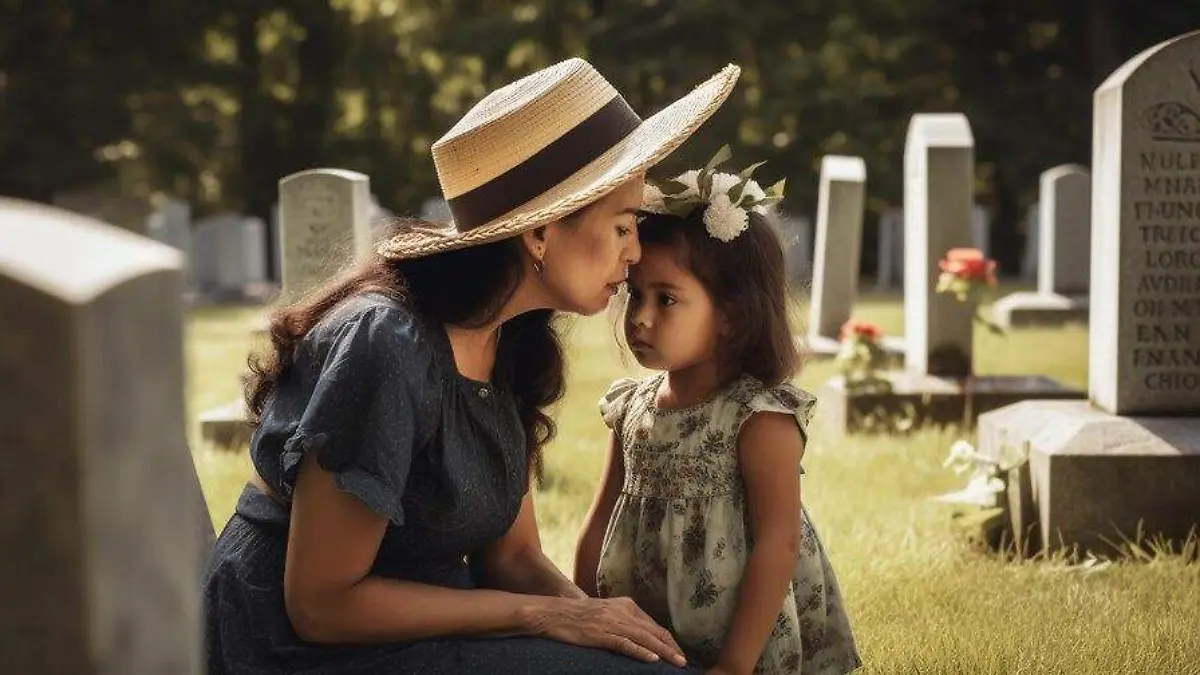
{"type": "Point", "coordinates": [634, 294]}
{"type": "Point", "coordinates": [667, 301]}
{"type": "Point", "coordinates": [623, 231]}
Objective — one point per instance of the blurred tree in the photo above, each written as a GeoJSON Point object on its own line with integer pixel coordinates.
{"type": "Point", "coordinates": [214, 102]}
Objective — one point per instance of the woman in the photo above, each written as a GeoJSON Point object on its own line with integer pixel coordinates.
{"type": "Point", "coordinates": [401, 412]}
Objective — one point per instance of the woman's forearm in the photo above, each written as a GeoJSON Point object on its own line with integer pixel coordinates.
{"type": "Point", "coordinates": [389, 610]}
{"type": "Point", "coordinates": [531, 573]}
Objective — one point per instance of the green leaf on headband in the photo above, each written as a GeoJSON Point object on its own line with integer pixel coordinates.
{"type": "Point", "coordinates": [765, 201]}
{"type": "Point", "coordinates": [672, 187]}
{"type": "Point", "coordinates": [738, 191]}
{"type": "Point", "coordinates": [723, 155]}
{"type": "Point", "coordinates": [776, 190]}
{"type": "Point", "coordinates": [680, 208]}
{"type": "Point", "coordinates": [704, 182]}
{"type": "Point", "coordinates": [749, 171]}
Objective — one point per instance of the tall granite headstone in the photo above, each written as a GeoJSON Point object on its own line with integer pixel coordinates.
{"type": "Point", "coordinates": [102, 521]}
{"type": "Point", "coordinates": [1129, 460]}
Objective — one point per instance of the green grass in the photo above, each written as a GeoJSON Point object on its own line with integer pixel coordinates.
{"type": "Point", "coordinates": [922, 601]}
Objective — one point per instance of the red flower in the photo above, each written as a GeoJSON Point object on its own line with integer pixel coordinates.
{"type": "Point", "coordinates": [861, 330]}
{"type": "Point", "coordinates": [969, 264]}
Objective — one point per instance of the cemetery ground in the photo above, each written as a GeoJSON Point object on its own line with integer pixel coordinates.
{"type": "Point", "coordinates": [922, 599]}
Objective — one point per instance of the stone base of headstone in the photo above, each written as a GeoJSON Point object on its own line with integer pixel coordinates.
{"type": "Point", "coordinates": [1095, 481]}
{"type": "Point", "coordinates": [821, 348]}
{"type": "Point", "coordinates": [227, 427]}
{"type": "Point", "coordinates": [915, 401]}
{"type": "Point", "coordinates": [1024, 310]}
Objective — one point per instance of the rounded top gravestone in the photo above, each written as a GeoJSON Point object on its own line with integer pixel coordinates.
{"type": "Point", "coordinates": [1144, 338]}
{"type": "Point", "coordinates": [72, 256]}
{"type": "Point", "coordinates": [102, 520]}
{"type": "Point", "coordinates": [843, 168]}
{"type": "Point", "coordinates": [1064, 203]}
{"type": "Point", "coordinates": [324, 226]}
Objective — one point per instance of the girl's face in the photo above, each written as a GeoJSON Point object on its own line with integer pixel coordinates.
{"type": "Point", "coordinates": [587, 258]}
{"type": "Point", "coordinates": [671, 322]}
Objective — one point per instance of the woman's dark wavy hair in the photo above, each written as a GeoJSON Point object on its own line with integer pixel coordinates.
{"type": "Point", "coordinates": [467, 287]}
{"type": "Point", "coordinates": [747, 281]}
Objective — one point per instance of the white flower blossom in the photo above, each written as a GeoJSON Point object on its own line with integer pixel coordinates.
{"type": "Point", "coordinates": [723, 220]}
{"type": "Point", "coordinates": [724, 182]}
{"type": "Point", "coordinates": [652, 199]}
{"type": "Point", "coordinates": [690, 178]}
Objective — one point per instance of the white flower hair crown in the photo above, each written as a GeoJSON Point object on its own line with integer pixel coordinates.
{"type": "Point", "coordinates": [728, 198]}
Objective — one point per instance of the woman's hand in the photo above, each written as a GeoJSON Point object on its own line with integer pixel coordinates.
{"type": "Point", "coordinates": [616, 624]}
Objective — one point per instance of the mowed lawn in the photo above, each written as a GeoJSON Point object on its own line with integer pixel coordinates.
{"type": "Point", "coordinates": [921, 599]}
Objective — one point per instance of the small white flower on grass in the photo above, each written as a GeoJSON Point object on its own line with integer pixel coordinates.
{"type": "Point", "coordinates": [724, 220]}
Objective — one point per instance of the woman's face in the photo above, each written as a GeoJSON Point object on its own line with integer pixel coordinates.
{"type": "Point", "coordinates": [587, 257]}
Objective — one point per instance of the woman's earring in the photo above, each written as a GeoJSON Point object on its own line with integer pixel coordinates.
{"type": "Point", "coordinates": [539, 267]}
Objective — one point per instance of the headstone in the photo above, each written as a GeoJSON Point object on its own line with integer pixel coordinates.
{"type": "Point", "coordinates": [1066, 241]}
{"type": "Point", "coordinates": [325, 226]}
{"type": "Point", "coordinates": [276, 261]}
{"type": "Point", "coordinates": [1129, 462]}
{"type": "Point", "coordinates": [381, 220]}
{"type": "Point", "coordinates": [801, 259]}
{"type": "Point", "coordinates": [1061, 297]}
{"type": "Point", "coordinates": [109, 203]}
{"type": "Point", "coordinates": [981, 228]}
{"type": "Point", "coordinates": [1031, 250]}
{"type": "Point", "coordinates": [840, 199]}
{"type": "Point", "coordinates": [436, 210]}
{"type": "Point", "coordinates": [102, 521]}
{"type": "Point", "coordinates": [171, 224]}
{"type": "Point", "coordinates": [939, 386]}
{"type": "Point", "coordinates": [890, 267]}
{"type": "Point", "coordinates": [224, 255]}
{"type": "Point", "coordinates": [837, 252]}
{"type": "Point", "coordinates": [939, 181]}
{"type": "Point", "coordinates": [1144, 347]}
{"type": "Point", "coordinates": [254, 250]}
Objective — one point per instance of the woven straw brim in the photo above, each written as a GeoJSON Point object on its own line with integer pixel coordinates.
{"type": "Point", "coordinates": [654, 139]}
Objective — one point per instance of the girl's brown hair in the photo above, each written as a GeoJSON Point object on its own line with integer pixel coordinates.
{"type": "Point", "coordinates": [747, 281]}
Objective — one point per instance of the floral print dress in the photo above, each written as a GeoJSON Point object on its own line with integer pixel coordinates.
{"type": "Point", "coordinates": [678, 539]}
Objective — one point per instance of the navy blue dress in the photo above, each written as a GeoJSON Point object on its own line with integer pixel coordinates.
{"type": "Point", "coordinates": [375, 393]}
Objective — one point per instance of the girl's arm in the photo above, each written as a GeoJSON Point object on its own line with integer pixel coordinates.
{"type": "Point", "coordinates": [769, 452]}
{"type": "Point", "coordinates": [587, 552]}
{"type": "Point", "coordinates": [516, 563]}
{"type": "Point", "coordinates": [332, 598]}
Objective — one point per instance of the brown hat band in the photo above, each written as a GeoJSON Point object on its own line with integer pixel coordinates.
{"type": "Point", "coordinates": [546, 168]}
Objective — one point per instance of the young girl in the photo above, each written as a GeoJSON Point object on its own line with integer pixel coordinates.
{"type": "Point", "coordinates": [699, 518]}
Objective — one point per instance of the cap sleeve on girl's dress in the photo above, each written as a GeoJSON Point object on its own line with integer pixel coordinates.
{"type": "Point", "coordinates": [616, 401]}
{"type": "Point", "coordinates": [364, 418]}
{"type": "Point", "coordinates": [785, 398]}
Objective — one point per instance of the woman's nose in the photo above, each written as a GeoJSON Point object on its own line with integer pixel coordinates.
{"type": "Point", "coordinates": [633, 252]}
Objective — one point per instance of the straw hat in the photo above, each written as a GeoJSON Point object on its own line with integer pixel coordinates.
{"type": "Point", "coordinates": [544, 147]}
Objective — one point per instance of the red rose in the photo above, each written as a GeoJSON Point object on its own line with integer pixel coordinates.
{"type": "Point", "coordinates": [862, 330]}
{"type": "Point", "coordinates": [969, 264]}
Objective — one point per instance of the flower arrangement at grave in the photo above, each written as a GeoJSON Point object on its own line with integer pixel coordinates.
{"type": "Point", "coordinates": [970, 277]}
{"type": "Point", "coordinates": [986, 490]}
{"type": "Point", "coordinates": [861, 357]}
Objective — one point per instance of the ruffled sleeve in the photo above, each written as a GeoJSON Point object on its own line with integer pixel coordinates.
{"type": "Point", "coordinates": [615, 403]}
{"type": "Point", "coordinates": [364, 409]}
{"type": "Point", "coordinates": [785, 398]}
